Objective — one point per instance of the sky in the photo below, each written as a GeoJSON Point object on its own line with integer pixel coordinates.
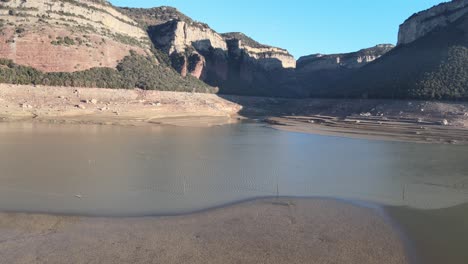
{"type": "Point", "coordinates": [301, 26]}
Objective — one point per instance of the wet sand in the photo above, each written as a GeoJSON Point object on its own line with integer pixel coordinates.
{"type": "Point", "coordinates": [263, 231]}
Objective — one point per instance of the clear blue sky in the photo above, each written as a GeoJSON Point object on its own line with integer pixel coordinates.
{"type": "Point", "coordinates": [302, 26]}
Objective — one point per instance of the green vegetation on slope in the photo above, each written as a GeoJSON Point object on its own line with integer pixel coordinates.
{"type": "Point", "coordinates": [158, 15]}
{"type": "Point", "coordinates": [246, 40]}
{"type": "Point", "coordinates": [134, 71]}
{"type": "Point", "coordinates": [432, 67]}
{"type": "Point", "coordinates": [450, 80]}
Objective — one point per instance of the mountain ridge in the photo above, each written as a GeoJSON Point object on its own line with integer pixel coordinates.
{"type": "Point", "coordinates": [94, 36]}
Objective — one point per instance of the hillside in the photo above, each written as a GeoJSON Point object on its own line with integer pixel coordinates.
{"type": "Point", "coordinates": [233, 62]}
{"type": "Point", "coordinates": [316, 73]}
{"type": "Point", "coordinates": [81, 43]}
{"type": "Point", "coordinates": [94, 44]}
{"type": "Point", "coordinates": [434, 66]}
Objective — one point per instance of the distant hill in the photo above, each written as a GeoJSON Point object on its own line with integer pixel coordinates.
{"type": "Point", "coordinates": [92, 43]}
{"type": "Point", "coordinates": [434, 66]}
{"type": "Point", "coordinates": [316, 73]}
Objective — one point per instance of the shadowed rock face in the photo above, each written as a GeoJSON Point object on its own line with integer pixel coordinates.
{"type": "Point", "coordinates": [67, 36]}
{"type": "Point", "coordinates": [424, 22]}
{"type": "Point", "coordinates": [315, 73]}
{"type": "Point", "coordinates": [351, 60]}
{"type": "Point", "coordinates": [232, 61]}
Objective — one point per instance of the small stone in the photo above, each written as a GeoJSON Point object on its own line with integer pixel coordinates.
{"type": "Point", "coordinates": [80, 106]}
{"type": "Point", "coordinates": [465, 114]}
{"type": "Point", "coordinates": [422, 109]}
{"type": "Point", "coordinates": [311, 121]}
{"type": "Point", "coordinates": [358, 121]}
{"type": "Point", "coordinates": [420, 120]}
{"type": "Point", "coordinates": [94, 101]}
{"type": "Point", "coordinates": [26, 106]}
{"type": "Point", "coordinates": [366, 114]}
{"type": "Point", "coordinates": [61, 97]}
{"type": "Point", "coordinates": [444, 122]}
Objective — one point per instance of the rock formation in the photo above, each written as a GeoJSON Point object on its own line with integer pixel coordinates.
{"type": "Point", "coordinates": [67, 36]}
{"type": "Point", "coordinates": [315, 73]}
{"type": "Point", "coordinates": [73, 36]}
{"type": "Point", "coordinates": [424, 22]}
{"type": "Point", "coordinates": [430, 62]}
{"type": "Point", "coordinates": [351, 60]}
{"type": "Point", "coordinates": [232, 61]}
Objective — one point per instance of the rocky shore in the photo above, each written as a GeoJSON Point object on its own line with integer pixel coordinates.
{"type": "Point", "coordinates": [112, 106]}
{"type": "Point", "coordinates": [414, 121]}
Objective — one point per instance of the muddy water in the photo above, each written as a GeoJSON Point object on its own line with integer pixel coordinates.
{"type": "Point", "coordinates": [129, 171]}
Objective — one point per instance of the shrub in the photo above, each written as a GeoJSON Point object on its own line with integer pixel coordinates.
{"type": "Point", "coordinates": [134, 71]}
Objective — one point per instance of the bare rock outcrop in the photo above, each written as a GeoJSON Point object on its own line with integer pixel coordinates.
{"type": "Point", "coordinates": [231, 61]}
{"type": "Point", "coordinates": [424, 22]}
{"type": "Point", "coordinates": [67, 36]}
{"type": "Point", "coordinates": [351, 60]}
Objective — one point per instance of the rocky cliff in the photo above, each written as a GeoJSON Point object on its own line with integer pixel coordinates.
{"type": "Point", "coordinates": [434, 65]}
{"type": "Point", "coordinates": [351, 60]}
{"type": "Point", "coordinates": [424, 22]}
{"type": "Point", "coordinates": [232, 61]}
{"type": "Point", "coordinates": [81, 43]}
{"type": "Point", "coordinates": [316, 73]}
{"type": "Point", "coordinates": [67, 36]}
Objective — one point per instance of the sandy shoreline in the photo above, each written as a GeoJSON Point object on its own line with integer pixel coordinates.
{"type": "Point", "coordinates": [414, 121]}
{"type": "Point", "coordinates": [389, 130]}
{"type": "Point", "coordinates": [113, 106]}
{"type": "Point", "coordinates": [262, 231]}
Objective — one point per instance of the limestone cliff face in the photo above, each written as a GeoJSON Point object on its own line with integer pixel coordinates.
{"type": "Point", "coordinates": [231, 61]}
{"type": "Point", "coordinates": [351, 60]}
{"type": "Point", "coordinates": [317, 73]}
{"type": "Point", "coordinates": [424, 22]}
{"type": "Point", "coordinates": [67, 36]}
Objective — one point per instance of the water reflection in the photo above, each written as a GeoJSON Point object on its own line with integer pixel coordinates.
{"type": "Point", "coordinates": [105, 170]}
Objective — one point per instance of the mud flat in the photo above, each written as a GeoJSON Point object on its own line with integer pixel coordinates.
{"type": "Point", "coordinates": [262, 231]}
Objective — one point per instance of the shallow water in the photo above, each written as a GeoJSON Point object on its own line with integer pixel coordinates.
{"type": "Point", "coordinates": [133, 171]}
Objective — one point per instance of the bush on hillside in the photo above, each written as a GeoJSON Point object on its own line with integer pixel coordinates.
{"type": "Point", "coordinates": [449, 81]}
{"type": "Point", "coordinates": [134, 71]}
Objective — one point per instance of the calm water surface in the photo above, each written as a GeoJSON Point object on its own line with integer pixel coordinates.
{"type": "Point", "coordinates": [134, 171]}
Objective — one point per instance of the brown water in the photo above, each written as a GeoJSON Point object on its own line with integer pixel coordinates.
{"type": "Point", "coordinates": [130, 171]}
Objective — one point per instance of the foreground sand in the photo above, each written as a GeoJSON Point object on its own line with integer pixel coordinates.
{"type": "Point", "coordinates": [263, 231]}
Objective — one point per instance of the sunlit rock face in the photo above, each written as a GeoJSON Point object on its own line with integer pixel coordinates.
{"type": "Point", "coordinates": [231, 61]}
{"type": "Point", "coordinates": [67, 36]}
{"type": "Point", "coordinates": [424, 22]}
